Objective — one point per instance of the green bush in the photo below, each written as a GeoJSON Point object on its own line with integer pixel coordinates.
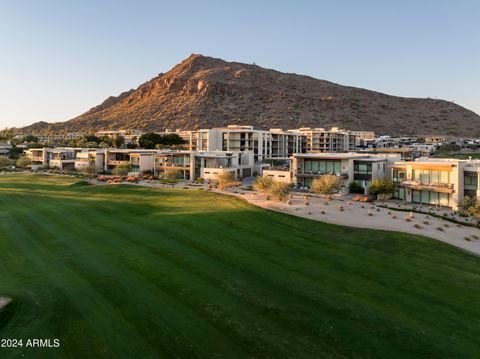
{"type": "Point", "coordinates": [355, 187]}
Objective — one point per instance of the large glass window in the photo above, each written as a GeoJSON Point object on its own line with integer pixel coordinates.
{"type": "Point", "coordinates": [322, 166]}
{"type": "Point", "coordinates": [428, 176]}
{"type": "Point", "coordinates": [362, 168]}
{"type": "Point", "coordinates": [427, 197]}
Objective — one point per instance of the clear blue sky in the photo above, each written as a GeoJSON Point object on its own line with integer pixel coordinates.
{"type": "Point", "coordinates": [59, 58]}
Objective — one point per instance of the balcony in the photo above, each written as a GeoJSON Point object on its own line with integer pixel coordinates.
{"type": "Point", "coordinates": [434, 187]}
{"type": "Point", "coordinates": [344, 175]}
{"type": "Point", "coordinates": [118, 162]}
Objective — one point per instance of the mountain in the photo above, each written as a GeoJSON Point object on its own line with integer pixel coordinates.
{"type": "Point", "coordinates": [204, 92]}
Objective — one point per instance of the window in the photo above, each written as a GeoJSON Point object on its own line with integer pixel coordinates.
{"type": "Point", "coordinates": [471, 180]}
{"type": "Point", "coordinates": [362, 168]}
{"type": "Point", "coordinates": [322, 166]}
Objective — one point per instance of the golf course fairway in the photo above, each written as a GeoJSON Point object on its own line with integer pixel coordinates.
{"type": "Point", "coordinates": [125, 271]}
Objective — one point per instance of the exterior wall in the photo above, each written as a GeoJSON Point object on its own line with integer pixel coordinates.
{"type": "Point", "coordinates": [451, 184]}
{"type": "Point", "coordinates": [280, 176]}
{"type": "Point", "coordinates": [38, 156]}
{"type": "Point", "coordinates": [234, 139]}
{"type": "Point", "coordinates": [212, 173]}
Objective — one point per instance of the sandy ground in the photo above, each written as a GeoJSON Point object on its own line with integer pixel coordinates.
{"type": "Point", "coordinates": [4, 302]}
{"type": "Point", "coordinates": [372, 216]}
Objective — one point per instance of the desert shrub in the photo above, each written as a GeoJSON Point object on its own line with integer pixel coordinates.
{"type": "Point", "coordinates": [225, 180]}
{"type": "Point", "coordinates": [470, 207]}
{"type": "Point", "coordinates": [171, 173]}
{"type": "Point", "coordinates": [121, 170]}
{"type": "Point", "coordinates": [23, 162]}
{"type": "Point", "coordinates": [275, 189]}
{"type": "Point", "coordinates": [382, 186]}
{"type": "Point", "coordinates": [280, 190]}
{"type": "Point", "coordinates": [262, 184]}
{"type": "Point", "coordinates": [327, 184]}
{"type": "Point", "coordinates": [90, 170]}
{"type": "Point", "coordinates": [4, 162]}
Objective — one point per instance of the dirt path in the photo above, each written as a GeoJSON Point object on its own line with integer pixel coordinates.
{"type": "Point", "coordinates": [366, 215]}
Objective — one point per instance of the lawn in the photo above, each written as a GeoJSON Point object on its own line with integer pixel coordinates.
{"type": "Point", "coordinates": [132, 272]}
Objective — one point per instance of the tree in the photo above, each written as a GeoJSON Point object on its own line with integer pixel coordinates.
{"type": "Point", "coordinates": [150, 140]}
{"type": "Point", "coordinates": [225, 180]}
{"type": "Point", "coordinates": [23, 162]}
{"type": "Point", "coordinates": [30, 138]}
{"type": "Point", "coordinates": [326, 184]}
{"type": "Point", "coordinates": [118, 141]}
{"type": "Point", "coordinates": [121, 170]}
{"type": "Point", "coordinates": [382, 186]}
{"type": "Point", "coordinates": [91, 138]}
{"type": "Point", "coordinates": [172, 139]}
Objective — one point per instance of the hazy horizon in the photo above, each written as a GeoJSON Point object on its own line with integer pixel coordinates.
{"type": "Point", "coordinates": [60, 59]}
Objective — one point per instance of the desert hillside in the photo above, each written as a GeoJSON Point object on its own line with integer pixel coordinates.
{"type": "Point", "coordinates": [203, 92]}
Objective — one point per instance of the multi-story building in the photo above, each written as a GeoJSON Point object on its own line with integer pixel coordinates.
{"type": "Point", "coordinates": [334, 139]}
{"type": "Point", "coordinates": [61, 158]}
{"type": "Point", "coordinates": [233, 138]}
{"type": "Point", "coordinates": [38, 157]}
{"type": "Point", "coordinates": [322, 140]}
{"type": "Point", "coordinates": [435, 140]}
{"type": "Point", "coordinates": [286, 143]}
{"type": "Point", "coordinates": [360, 139]}
{"type": "Point", "coordinates": [58, 136]}
{"type": "Point", "coordinates": [352, 167]}
{"type": "Point", "coordinates": [191, 165]}
{"type": "Point", "coordinates": [442, 182]}
{"type": "Point", "coordinates": [5, 148]}
{"type": "Point", "coordinates": [405, 153]}
{"type": "Point", "coordinates": [128, 157]}
{"type": "Point", "coordinates": [90, 157]}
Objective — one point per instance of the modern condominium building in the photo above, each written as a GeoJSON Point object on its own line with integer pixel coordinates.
{"type": "Point", "coordinates": [442, 182]}
{"type": "Point", "coordinates": [61, 158]}
{"type": "Point", "coordinates": [286, 143]}
{"type": "Point", "coordinates": [352, 167]}
{"type": "Point", "coordinates": [234, 139]}
{"type": "Point", "coordinates": [191, 165]}
{"type": "Point", "coordinates": [334, 139]}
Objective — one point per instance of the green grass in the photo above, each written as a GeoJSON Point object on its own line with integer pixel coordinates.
{"type": "Point", "coordinates": [132, 272]}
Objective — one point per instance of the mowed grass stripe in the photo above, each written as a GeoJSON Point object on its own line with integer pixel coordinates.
{"type": "Point", "coordinates": [132, 286]}
{"type": "Point", "coordinates": [272, 285]}
{"type": "Point", "coordinates": [176, 275]}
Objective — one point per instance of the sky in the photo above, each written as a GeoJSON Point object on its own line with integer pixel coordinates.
{"type": "Point", "coordinates": [60, 58]}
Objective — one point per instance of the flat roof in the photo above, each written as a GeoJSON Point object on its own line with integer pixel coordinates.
{"type": "Point", "coordinates": [332, 156]}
